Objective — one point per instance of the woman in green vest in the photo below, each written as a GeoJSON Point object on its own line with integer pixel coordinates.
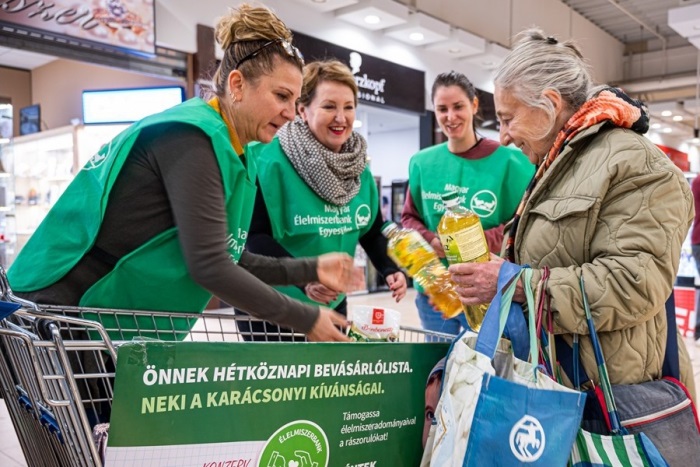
{"type": "Point", "coordinates": [158, 218]}
{"type": "Point", "coordinates": [491, 179]}
{"type": "Point", "coordinates": [316, 191]}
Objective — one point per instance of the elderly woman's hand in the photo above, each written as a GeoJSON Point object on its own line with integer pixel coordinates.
{"type": "Point", "coordinates": [476, 282]}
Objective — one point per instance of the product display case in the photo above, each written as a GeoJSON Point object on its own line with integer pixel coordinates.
{"type": "Point", "coordinates": [8, 237]}
{"type": "Point", "coordinates": [41, 166]}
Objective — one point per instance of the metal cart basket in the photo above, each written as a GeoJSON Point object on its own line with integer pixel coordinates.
{"type": "Point", "coordinates": [57, 367]}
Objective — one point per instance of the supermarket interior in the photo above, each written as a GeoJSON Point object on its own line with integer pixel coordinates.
{"type": "Point", "coordinates": [75, 75]}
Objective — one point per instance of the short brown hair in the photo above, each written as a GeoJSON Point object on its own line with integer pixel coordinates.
{"type": "Point", "coordinates": [243, 31]}
{"type": "Point", "coordinates": [328, 70]}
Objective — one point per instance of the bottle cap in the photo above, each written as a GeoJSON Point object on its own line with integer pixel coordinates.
{"type": "Point", "coordinates": [388, 228]}
{"type": "Point", "coordinates": [450, 198]}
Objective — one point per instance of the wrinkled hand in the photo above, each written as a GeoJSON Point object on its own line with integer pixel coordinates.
{"type": "Point", "coordinates": [320, 293]}
{"type": "Point", "coordinates": [337, 272]}
{"type": "Point", "coordinates": [437, 246]}
{"type": "Point", "coordinates": [476, 282]}
{"type": "Point", "coordinates": [325, 330]}
{"type": "Point", "coordinates": [397, 285]}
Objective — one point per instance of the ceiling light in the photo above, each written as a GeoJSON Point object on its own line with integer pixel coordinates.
{"type": "Point", "coordinates": [420, 29]}
{"type": "Point", "coordinates": [655, 126]}
{"type": "Point", "coordinates": [372, 19]}
{"type": "Point", "coordinates": [678, 118]}
{"type": "Point", "coordinates": [327, 5]}
{"type": "Point", "coordinates": [357, 124]}
{"type": "Point", "coordinates": [666, 113]}
{"type": "Point", "coordinates": [667, 130]}
{"type": "Point", "coordinates": [388, 12]}
{"type": "Point", "coordinates": [460, 44]}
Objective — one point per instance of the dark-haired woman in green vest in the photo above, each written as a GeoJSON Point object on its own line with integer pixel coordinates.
{"type": "Point", "coordinates": [158, 218]}
{"type": "Point", "coordinates": [490, 178]}
{"type": "Point", "coordinates": [316, 191]}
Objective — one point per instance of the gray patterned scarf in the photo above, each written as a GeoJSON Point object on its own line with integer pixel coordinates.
{"type": "Point", "coordinates": [334, 176]}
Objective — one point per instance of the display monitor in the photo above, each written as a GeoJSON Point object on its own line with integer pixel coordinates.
{"type": "Point", "coordinates": [128, 105]}
{"type": "Point", "coordinates": [30, 119]}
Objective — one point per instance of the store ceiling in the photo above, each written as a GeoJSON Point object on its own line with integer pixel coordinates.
{"type": "Point", "coordinates": [642, 25]}
{"type": "Point", "coordinates": [23, 59]}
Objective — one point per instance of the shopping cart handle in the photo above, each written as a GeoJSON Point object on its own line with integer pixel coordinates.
{"type": "Point", "coordinates": [25, 403]}
{"type": "Point", "coordinates": [44, 328]}
{"type": "Point", "coordinates": [47, 419]}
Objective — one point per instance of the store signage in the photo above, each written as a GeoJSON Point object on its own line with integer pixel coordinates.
{"type": "Point", "coordinates": [124, 24]}
{"type": "Point", "coordinates": [275, 404]}
{"type": "Point", "coordinates": [380, 82]}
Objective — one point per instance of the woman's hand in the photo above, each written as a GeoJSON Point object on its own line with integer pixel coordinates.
{"type": "Point", "coordinates": [325, 330]}
{"type": "Point", "coordinates": [437, 246]}
{"type": "Point", "coordinates": [337, 272]}
{"type": "Point", "coordinates": [320, 293]}
{"type": "Point", "coordinates": [476, 282]}
{"type": "Point", "coordinates": [397, 285]}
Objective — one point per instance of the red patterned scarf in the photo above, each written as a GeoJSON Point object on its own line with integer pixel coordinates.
{"type": "Point", "coordinates": [609, 105]}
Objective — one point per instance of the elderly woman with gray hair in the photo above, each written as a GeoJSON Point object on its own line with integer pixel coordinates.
{"type": "Point", "coordinates": [605, 204]}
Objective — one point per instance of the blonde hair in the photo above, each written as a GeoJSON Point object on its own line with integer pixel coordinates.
{"type": "Point", "coordinates": [538, 63]}
{"type": "Point", "coordinates": [328, 70]}
{"type": "Point", "coordinates": [243, 31]}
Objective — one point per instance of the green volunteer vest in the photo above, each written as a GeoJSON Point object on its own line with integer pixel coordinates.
{"type": "Point", "coordinates": [154, 276]}
{"type": "Point", "coordinates": [491, 186]}
{"type": "Point", "coordinates": [303, 222]}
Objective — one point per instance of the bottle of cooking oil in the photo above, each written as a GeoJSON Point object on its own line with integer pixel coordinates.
{"type": "Point", "coordinates": [409, 250]}
{"type": "Point", "coordinates": [463, 240]}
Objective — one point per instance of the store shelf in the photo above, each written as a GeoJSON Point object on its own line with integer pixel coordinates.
{"type": "Point", "coordinates": [43, 165]}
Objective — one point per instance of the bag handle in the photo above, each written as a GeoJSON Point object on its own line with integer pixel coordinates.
{"type": "Point", "coordinates": [497, 314]}
{"type": "Point", "coordinates": [615, 425]}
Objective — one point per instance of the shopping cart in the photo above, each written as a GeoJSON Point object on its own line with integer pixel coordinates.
{"type": "Point", "coordinates": [57, 367]}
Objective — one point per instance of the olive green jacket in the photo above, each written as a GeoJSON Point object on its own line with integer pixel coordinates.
{"type": "Point", "coordinates": [614, 208]}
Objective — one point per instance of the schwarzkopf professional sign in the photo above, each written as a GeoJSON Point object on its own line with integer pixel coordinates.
{"type": "Point", "coordinates": [123, 24]}
{"type": "Point", "coordinates": [380, 82]}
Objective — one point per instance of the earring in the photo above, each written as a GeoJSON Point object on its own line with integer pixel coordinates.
{"type": "Point", "coordinates": [233, 98]}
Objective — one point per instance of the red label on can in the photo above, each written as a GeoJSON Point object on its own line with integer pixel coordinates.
{"type": "Point", "coordinates": [378, 316]}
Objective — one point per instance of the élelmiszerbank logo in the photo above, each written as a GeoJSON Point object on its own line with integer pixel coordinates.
{"type": "Point", "coordinates": [363, 214]}
{"type": "Point", "coordinates": [300, 443]}
{"type": "Point", "coordinates": [527, 439]}
{"type": "Point", "coordinates": [98, 159]}
{"type": "Point", "coordinates": [483, 203]}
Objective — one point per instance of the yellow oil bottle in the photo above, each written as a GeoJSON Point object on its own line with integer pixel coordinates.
{"type": "Point", "coordinates": [463, 240]}
{"type": "Point", "coordinates": [409, 250]}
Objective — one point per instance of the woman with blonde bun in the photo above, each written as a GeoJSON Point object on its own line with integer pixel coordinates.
{"type": "Point", "coordinates": [158, 218]}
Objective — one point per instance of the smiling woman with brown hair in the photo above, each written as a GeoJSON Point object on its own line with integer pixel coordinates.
{"type": "Point", "coordinates": [316, 191]}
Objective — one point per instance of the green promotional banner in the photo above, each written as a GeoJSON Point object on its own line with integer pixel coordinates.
{"type": "Point", "coordinates": [210, 404]}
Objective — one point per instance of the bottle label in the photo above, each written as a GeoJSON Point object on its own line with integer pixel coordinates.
{"type": "Point", "coordinates": [465, 245]}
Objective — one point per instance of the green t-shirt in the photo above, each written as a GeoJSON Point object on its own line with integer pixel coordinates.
{"type": "Point", "coordinates": [491, 187]}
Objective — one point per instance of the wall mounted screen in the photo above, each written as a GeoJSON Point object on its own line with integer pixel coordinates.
{"type": "Point", "coordinates": [128, 105]}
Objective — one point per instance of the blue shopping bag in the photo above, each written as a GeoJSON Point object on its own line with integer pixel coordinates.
{"type": "Point", "coordinates": [521, 417]}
